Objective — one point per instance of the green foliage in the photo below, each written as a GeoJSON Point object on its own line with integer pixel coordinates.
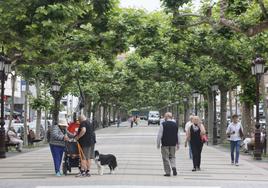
{"type": "Point", "coordinates": [40, 103]}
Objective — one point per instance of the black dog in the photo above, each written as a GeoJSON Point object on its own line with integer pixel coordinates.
{"type": "Point", "coordinates": [105, 160]}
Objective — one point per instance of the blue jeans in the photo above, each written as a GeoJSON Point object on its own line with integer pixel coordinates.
{"type": "Point", "coordinates": [57, 153]}
{"type": "Point", "coordinates": [235, 145]}
{"type": "Point", "coordinates": [190, 151]}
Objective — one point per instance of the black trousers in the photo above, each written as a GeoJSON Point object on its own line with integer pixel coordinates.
{"type": "Point", "coordinates": [196, 151]}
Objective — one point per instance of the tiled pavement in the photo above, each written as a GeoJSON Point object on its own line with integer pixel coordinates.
{"type": "Point", "coordinates": [139, 163]}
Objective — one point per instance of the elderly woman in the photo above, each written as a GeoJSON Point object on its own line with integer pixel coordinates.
{"type": "Point", "coordinates": [13, 138]}
{"type": "Point", "coordinates": [58, 136]}
{"type": "Point", "coordinates": [194, 136]}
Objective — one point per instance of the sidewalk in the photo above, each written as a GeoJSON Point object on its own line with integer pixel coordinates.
{"type": "Point", "coordinates": [140, 164]}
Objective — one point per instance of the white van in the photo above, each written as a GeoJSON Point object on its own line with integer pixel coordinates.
{"type": "Point", "coordinates": [153, 117]}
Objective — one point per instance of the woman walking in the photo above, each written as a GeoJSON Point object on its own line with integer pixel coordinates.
{"type": "Point", "coordinates": [235, 134]}
{"type": "Point", "coordinates": [58, 136]}
{"type": "Point", "coordinates": [194, 136]}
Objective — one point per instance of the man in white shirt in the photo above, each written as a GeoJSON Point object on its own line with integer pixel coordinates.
{"type": "Point", "coordinates": [187, 127]}
{"type": "Point", "coordinates": [233, 131]}
{"type": "Point", "coordinates": [169, 139]}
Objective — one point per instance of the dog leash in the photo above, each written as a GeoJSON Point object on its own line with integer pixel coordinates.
{"type": "Point", "coordinates": [80, 151]}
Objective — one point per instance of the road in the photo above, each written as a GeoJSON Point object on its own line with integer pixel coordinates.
{"type": "Point", "coordinates": [140, 165]}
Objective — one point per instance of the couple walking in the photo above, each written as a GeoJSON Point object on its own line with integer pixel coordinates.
{"type": "Point", "coordinates": [169, 139]}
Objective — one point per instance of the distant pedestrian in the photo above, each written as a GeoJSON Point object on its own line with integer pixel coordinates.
{"type": "Point", "coordinates": [118, 121]}
{"type": "Point", "coordinates": [87, 139]}
{"type": "Point", "coordinates": [235, 132]}
{"type": "Point", "coordinates": [187, 143]}
{"type": "Point", "coordinates": [57, 138]}
{"type": "Point", "coordinates": [194, 134]}
{"type": "Point", "coordinates": [169, 138]}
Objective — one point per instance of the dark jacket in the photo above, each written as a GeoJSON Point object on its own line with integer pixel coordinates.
{"type": "Point", "coordinates": [170, 134]}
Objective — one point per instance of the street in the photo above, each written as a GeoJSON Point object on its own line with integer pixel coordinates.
{"type": "Point", "coordinates": [139, 164]}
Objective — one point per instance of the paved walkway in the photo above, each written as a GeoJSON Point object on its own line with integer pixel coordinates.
{"type": "Point", "coordinates": [139, 163]}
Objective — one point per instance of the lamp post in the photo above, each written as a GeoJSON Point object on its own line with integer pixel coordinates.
{"type": "Point", "coordinates": [169, 108]}
{"type": "Point", "coordinates": [178, 114]}
{"type": "Point", "coordinates": [215, 88]}
{"type": "Point", "coordinates": [195, 96]}
{"type": "Point", "coordinates": [257, 69]}
{"type": "Point", "coordinates": [56, 96]}
{"type": "Point", "coordinates": [5, 69]}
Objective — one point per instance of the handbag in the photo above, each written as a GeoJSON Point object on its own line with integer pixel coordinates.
{"type": "Point", "coordinates": [204, 138]}
{"type": "Point", "coordinates": [241, 134]}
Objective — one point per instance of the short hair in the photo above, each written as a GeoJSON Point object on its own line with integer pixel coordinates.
{"type": "Point", "coordinates": [82, 118]}
{"type": "Point", "coordinates": [234, 116]}
{"type": "Point", "coordinates": [168, 115]}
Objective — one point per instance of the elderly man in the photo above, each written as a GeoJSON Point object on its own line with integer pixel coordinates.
{"type": "Point", "coordinates": [168, 137]}
{"type": "Point", "coordinates": [87, 139]}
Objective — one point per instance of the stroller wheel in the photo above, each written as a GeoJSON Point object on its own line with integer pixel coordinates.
{"type": "Point", "coordinates": [64, 169]}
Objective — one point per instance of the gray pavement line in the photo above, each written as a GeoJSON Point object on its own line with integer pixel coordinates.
{"type": "Point", "coordinates": [125, 186]}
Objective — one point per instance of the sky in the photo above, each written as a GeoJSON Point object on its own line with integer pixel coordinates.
{"type": "Point", "coordinates": [149, 5]}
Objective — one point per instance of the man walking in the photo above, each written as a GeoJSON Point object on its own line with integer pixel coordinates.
{"type": "Point", "coordinates": [235, 131]}
{"type": "Point", "coordinates": [168, 137]}
{"type": "Point", "coordinates": [87, 139]}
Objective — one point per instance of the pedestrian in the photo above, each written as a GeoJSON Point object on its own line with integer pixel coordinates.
{"type": "Point", "coordinates": [168, 137]}
{"type": "Point", "coordinates": [14, 139]}
{"type": "Point", "coordinates": [87, 139]}
{"type": "Point", "coordinates": [235, 132]}
{"type": "Point", "coordinates": [57, 138]}
{"type": "Point", "coordinates": [187, 143]}
{"type": "Point", "coordinates": [194, 136]}
{"type": "Point", "coordinates": [118, 121]}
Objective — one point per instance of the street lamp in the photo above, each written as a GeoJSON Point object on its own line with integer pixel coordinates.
{"type": "Point", "coordinates": [55, 93]}
{"type": "Point", "coordinates": [5, 69]}
{"type": "Point", "coordinates": [169, 108]}
{"type": "Point", "coordinates": [178, 114]}
{"type": "Point", "coordinates": [215, 88]}
{"type": "Point", "coordinates": [185, 101]}
{"type": "Point", "coordinates": [195, 96]}
{"type": "Point", "coordinates": [257, 69]}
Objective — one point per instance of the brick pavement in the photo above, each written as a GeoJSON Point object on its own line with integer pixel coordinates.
{"type": "Point", "coordinates": [139, 163]}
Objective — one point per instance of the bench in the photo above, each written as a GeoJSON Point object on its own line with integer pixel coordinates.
{"type": "Point", "coordinates": [8, 144]}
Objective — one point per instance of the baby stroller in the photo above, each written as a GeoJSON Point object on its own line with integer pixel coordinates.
{"type": "Point", "coordinates": [71, 157]}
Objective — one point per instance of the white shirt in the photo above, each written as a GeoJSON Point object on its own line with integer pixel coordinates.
{"type": "Point", "coordinates": [188, 125]}
{"type": "Point", "coordinates": [234, 127]}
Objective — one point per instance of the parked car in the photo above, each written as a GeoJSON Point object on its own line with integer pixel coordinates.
{"type": "Point", "coordinates": [153, 118]}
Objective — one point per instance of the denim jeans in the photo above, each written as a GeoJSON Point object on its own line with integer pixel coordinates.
{"type": "Point", "coordinates": [235, 145]}
{"type": "Point", "coordinates": [57, 153]}
{"type": "Point", "coordinates": [190, 151]}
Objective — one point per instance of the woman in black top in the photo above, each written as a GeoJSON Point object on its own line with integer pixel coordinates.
{"type": "Point", "coordinates": [194, 134]}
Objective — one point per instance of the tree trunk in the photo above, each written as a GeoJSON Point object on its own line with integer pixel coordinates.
{"type": "Point", "coordinates": [246, 118]}
{"type": "Point", "coordinates": [210, 116]}
{"type": "Point", "coordinates": [25, 135]}
{"type": "Point", "coordinates": [265, 103]}
{"type": "Point", "coordinates": [56, 109]}
{"type": "Point", "coordinates": [39, 111]}
{"type": "Point", "coordinates": [105, 116]}
{"type": "Point", "coordinates": [94, 114]}
{"type": "Point", "coordinates": [223, 124]}
{"type": "Point", "coordinates": [206, 111]}
{"type": "Point", "coordinates": [230, 103]}
{"type": "Point", "coordinates": [13, 82]}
